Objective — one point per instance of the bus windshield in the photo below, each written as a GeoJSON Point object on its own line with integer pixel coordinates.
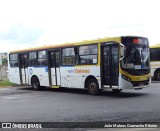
{"type": "Point", "coordinates": [136, 56]}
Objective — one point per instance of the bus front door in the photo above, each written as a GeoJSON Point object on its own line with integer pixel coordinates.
{"type": "Point", "coordinates": [110, 65]}
{"type": "Point", "coordinates": [23, 68]}
{"type": "Point", "coordinates": [55, 68]}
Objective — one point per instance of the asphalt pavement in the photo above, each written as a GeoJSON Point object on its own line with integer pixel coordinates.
{"type": "Point", "coordinates": [22, 104]}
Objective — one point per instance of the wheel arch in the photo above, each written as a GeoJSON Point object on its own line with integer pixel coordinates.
{"type": "Point", "coordinates": [32, 78]}
{"type": "Point", "coordinates": [88, 78]}
{"type": "Point", "coordinates": [158, 69]}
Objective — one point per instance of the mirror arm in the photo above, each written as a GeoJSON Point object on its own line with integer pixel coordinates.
{"type": "Point", "coordinates": [121, 52]}
{"type": "Point", "coordinates": [121, 44]}
{"type": "Point", "coordinates": [121, 58]}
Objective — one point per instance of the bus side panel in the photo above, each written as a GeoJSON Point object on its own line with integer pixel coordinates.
{"type": "Point", "coordinates": [14, 75]}
{"type": "Point", "coordinates": [75, 76]}
{"type": "Point", "coordinates": [67, 77]}
{"type": "Point", "coordinates": [154, 65]}
{"type": "Point", "coordinates": [41, 73]}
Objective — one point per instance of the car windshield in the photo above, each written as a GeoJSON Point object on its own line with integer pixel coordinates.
{"type": "Point", "coordinates": [136, 57]}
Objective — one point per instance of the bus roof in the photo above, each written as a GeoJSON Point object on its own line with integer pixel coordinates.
{"type": "Point", "coordinates": [155, 46]}
{"type": "Point", "coordinates": [116, 39]}
{"type": "Point", "coordinates": [66, 44]}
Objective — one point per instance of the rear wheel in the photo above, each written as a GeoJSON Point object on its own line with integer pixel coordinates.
{"type": "Point", "coordinates": [35, 83]}
{"type": "Point", "coordinates": [157, 75]}
{"type": "Point", "coordinates": [93, 87]}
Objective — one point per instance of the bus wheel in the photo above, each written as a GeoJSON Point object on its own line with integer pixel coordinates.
{"type": "Point", "coordinates": [157, 75]}
{"type": "Point", "coordinates": [116, 90]}
{"type": "Point", "coordinates": [35, 83]}
{"type": "Point", "coordinates": [93, 87]}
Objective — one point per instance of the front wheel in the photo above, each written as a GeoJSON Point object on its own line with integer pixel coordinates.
{"type": "Point", "coordinates": [35, 83]}
{"type": "Point", "coordinates": [93, 87]}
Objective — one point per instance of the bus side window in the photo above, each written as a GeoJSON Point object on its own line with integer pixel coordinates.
{"type": "Point", "coordinates": [157, 54]}
{"type": "Point", "coordinates": [13, 60]}
{"type": "Point", "coordinates": [69, 56]}
{"type": "Point", "coordinates": [42, 59]}
{"type": "Point", "coordinates": [88, 54]}
{"type": "Point", "coordinates": [32, 58]}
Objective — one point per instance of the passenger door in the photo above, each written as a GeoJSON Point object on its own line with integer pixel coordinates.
{"type": "Point", "coordinates": [55, 67]}
{"type": "Point", "coordinates": [110, 64]}
{"type": "Point", "coordinates": [24, 68]}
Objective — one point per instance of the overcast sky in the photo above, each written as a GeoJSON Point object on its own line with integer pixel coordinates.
{"type": "Point", "coordinates": [30, 23]}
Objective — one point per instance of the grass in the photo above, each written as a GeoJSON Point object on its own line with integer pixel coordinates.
{"type": "Point", "coordinates": [5, 83]}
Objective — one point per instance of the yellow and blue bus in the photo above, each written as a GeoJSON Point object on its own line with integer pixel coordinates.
{"type": "Point", "coordinates": [155, 61]}
{"type": "Point", "coordinates": [114, 63]}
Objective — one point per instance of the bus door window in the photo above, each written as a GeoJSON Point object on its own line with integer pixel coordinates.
{"type": "Point", "coordinates": [114, 64]}
{"type": "Point", "coordinates": [23, 61]}
{"type": "Point", "coordinates": [52, 60]}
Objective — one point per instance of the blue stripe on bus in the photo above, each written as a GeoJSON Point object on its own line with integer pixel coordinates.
{"type": "Point", "coordinates": [37, 66]}
{"type": "Point", "coordinates": [67, 66]}
{"type": "Point", "coordinates": [46, 67]}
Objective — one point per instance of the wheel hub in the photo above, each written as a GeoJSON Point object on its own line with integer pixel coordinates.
{"type": "Point", "coordinates": [92, 86]}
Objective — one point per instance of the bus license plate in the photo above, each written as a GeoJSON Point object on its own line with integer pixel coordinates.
{"type": "Point", "coordinates": [141, 84]}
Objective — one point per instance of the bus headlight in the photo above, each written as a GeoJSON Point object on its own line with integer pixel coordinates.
{"type": "Point", "coordinates": [126, 78]}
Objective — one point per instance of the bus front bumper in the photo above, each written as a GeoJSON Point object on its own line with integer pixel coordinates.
{"type": "Point", "coordinates": [124, 84]}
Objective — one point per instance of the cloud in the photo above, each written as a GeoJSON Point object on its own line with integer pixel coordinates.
{"type": "Point", "coordinates": [20, 34]}
{"type": "Point", "coordinates": [30, 23]}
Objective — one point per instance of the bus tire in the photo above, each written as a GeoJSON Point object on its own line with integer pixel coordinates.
{"type": "Point", "coordinates": [157, 75]}
{"type": "Point", "coordinates": [116, 90]}
{"type": "Point", "coordinates": [93, 87]}
{"type": "Point", "coordinates": [35, 83]}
